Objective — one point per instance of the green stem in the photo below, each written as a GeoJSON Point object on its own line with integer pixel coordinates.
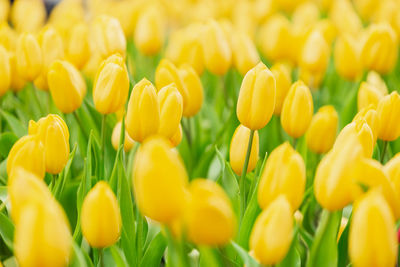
{"type": "Point", "coordinates": [186, 128]}
{"type": "Point", "coordinates": [385, 144]}
{"type": "Point", "coordinates": [295, 143]}
{"type": "Point", "coordinates": [2, 206]}
{"type": "Point", "coordinates": [36, 94]}
{"type": "Point", "coordinates": [101, 257]}
{"type": "Point", "coordinates": [103, 144]}
{"type": "Point", "coordinates": [78, 120]}
{"type": "Point", "coordinates": [139, 236]}
{"type": "Point", "coordinates": [242, 186]}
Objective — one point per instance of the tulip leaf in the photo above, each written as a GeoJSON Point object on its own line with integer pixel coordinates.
{"type": "Point", "coordinates": [15, 125]}
{"type": "Point", "coordinates": [343, 257]}
{"type": "Point", "coordinates": [292, 258]}
{"type": "Point", "coordinates": [228, 179]}
{"type": "Point", "coordinates": [246, 258]}
{"type": "Point", "coordinates": [6, 230]}
{"type": "Point", "coordinates": [209, 258]}
{"type": "Point", "coordinates": [78, 258]}
{"type": "Point", "coordinates": [7, 140]}
{"type": "Point", "coordinates": [155, 251]}
{"type": "Point", "coordinates": [117, 257]}
{"type": "Point", "coordinates": [62, 179]}
{"type": "Point", "coordinates": [3, 193]}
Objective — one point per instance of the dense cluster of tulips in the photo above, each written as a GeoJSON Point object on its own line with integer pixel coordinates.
{"type": "Point", "coordinates": [200, 133]}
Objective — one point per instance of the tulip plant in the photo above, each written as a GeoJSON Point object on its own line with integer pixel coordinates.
{"type": "Point", "coordinates": [232, 133]}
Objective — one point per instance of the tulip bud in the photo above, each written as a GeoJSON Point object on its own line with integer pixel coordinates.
{"type": "Point", "coordinates": [149, 33]}
{"type": "Point", "coordinates": [78, 50]}
{"type": "Point", "coordinates": [271, 236]}
{"type": "Point", "coordinates": [380, 47]}
{"type": "Point", "coordinates": [209, 216]}
{"type": "Point", "coordinates": [347, 57]}
{"type": "Point", "coordinates": [368, 94]}
{"type": "Point", "coordinates": [216, 50]}
{"type": "Point", "coordinates": [4, 9]}
{"type": "Point", "coordinates": [283, 79]}
{"type": "Point", "coordinates": [297, 110]}
{"type": "Point", "coordinates": [345, 17]}
{"type": "Point", "coordinates": [191, 81]}
{"type": "Point", "coordinates": [177, 137]}
{"type": "Point", "coordinates": [108, 36]}
{"type": "Point", "coordinates": [311, 79]}
{"type": "Point", "coordinates": [29, 57]}
{"type": "Point", "coordinates": [116, 134]}
{"type": "Point", "coordinates": [245, 55]}
{"type": "Point", "coordinates": [159, 180]}
{"type": "Point", "coordinates": [28, 152]}
{"type": "Point", "coordinates": [171, 106]}
{"type": "Point", "coordinates": [101, 217]}
{"type": "Point", "coordinates": [28, 15]}
{"type": "Point", "coordinates": [315, 53]}
{"type": "Point", "coordinates": [111, 85]}
{"type": "Point", "coordinates": [16, 83]}
{"type": "Point", "coordinates": [322, 131]}
{"type": "Point", "coordinates": [392, 170]}
{"type": "Point", "coordinates": [284, 174]}
{"type": "Point", "coordinates": [256, 101]}
{"type": "Point", "coordinates": [66, 85]}
{"type": "Point", "coordinates": [54, 134]}
{"type": "Point", "coordinates": [238, 149]}
{"type": "Point", "coordinates": [388, 111]}
{"type": "Point", "coordinates": [376, 80]}
{"type": "Point", "coordinates": [370, 116]}
{"type": "Point", "coordinates": [327, 29]}
{"type": "Point", "coordinates": [5, 71]}
{"type": "Point", "coordinates": [8, 36]}
{"type": "Point", "coordinates": [372, 237]}
{"type": "Point", "coordinates": [143, 115]}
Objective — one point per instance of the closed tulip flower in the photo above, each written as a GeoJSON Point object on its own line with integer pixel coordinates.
{"type": "Point", "coordinates": [54, 134]}
{"type": "Point", "coordinates": [28, 152]}
{"type": "Point", "coordinates": [372, 237]}
{"type": "Point", "coordinates": [322, 131]}
{"type": "Point", "coordinates": [379, 50]}
{"type": "Point", "coordinates": [171, 106]}
{"type": "Point", "coordinates": [177, 137]}
{"type": "Point", "coordinates": [347, 57]}
{"type": "Point", "coordinates": [315, 53]}
{"type": "Point", "coordinates": [388, 111]}
{"type": "Point", "coordinates": [143, 115]}
{"type": "Point", "coordinates": [108, 36]}
{"type": "Point", "coordinates": [28, 15]}
{"type": "Point", "coordinates": [111, 85]}
{"type": "Point", "coordinates": [238, 149]}
{"type": "Point", "coordinates": [5, 71]}
{"type": "Point", "coordinates": [8, 36]}
{"type": "Point", "coordinates": [17, 83]}
{"type": "Point", "coordinates": [149, 32]}
{"type": "Point", "coordinates": [272, 234]}
{"type": "Point", "coordinates": [66, 85]}
{"type": "Point", "coordinates": [392, 170]}
{"type": "Point", "coordinates": [370, 116]}
{"type": "Point", "coordinates": [256, 101]}
{"type": "Point", "coordinates": [159, 180]}
{"type": "Point", "coordinates": [297, 110]}
{"type": "Point", "coordinates": [368, 94]}
{"type": "Point", "coordinates": [376, 80]}
{"type": "Point", "coordinates": [101, 217]}
{"type": "Point", "coordinates": [115, 137]}
{"type": "Point", "coordinates": [209, 217]}
{"type": "Point", "coordinates": [29, 57]}
{"type": "Point", "coordinates": [283, 79]}
{"type": "Point", "coordinates": [191, 81]}
{"type": "Point", "coordinates": [5, 8]}
{"type": "Point", "coordinates": [245, 55]}
{"type": "Point", "coordinates": [78, 50]}
{"type": "Point", "coordinates": [284, 174]}
{"type": "Point", "coordinates": [216, 50]}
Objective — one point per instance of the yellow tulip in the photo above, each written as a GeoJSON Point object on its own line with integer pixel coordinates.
{"type": "Point", "coordinates": [159, 180]}
{"type": "Point", "coordinates": [347, 57]}
{"type": "Point", "coordinates": [191, 81]}
{"type": "Point", "coordinates": [143, 115]}
{"type": "Point", "coordinates": [379, 51]}
{"type": "Point", "coordinates": [108, 36]}
{"type": "Point", "coordinates": [366, 8]}
{"type": "Point", "coordinates": [4, 9]}
{"type": "Point", "coordinates": [115, 137]}
{"type": "Point", "coordinates": [372, 237]}
{"type": "Point", "coordinates": [327, 29]}
{"type": "Point", "coordinates": [345, 17]}
{"type": "Point", "coordinates": [216, 50]}
{"type": "Point", "coordinates": [311, 79]}
{"type": "Point", "coordinates": [29, 153]}
{"type": "Point", "coordinates": [101, 217]}
{"type": "Point", "coordinates": [238, 149]}
{"type": "Point", "coordinates": [245, 55]}
{"type": "Point", "coordinates": [54, 134]}
{"type": "Point", "coordinates": [29, 57]}
{"type": "Point", "coordinates": [392, 170]}
{"type": "Point", "coordinates": [209, 217]}
{"type": "Point", "coordinates": [17, 83]}
{"type": "Point", "coordinates": [177, 137]}
{"type": "Point", "coordinates": [297, 110]}
{"type": "Point", "coordinates": [28, 15]}
{"type": "Point", "coordinates": [8, 36]}
{"type": "Point", "coordinates": [370, 116]}
{"type": "Point", "coordinates": [171, 106]}
{"type": "Point", "coordinates": [256, 101]}
{"type": "Point", "coordinates": [5, 71]}
{"type": "Point", "coordinates": [149, 32]}
{"type": "Point", "coordinates": [388, 111]}
{"type": "Point", "coordinates": [78, 50]}
{"type": "Point", "coordinates": [271, 236]}
{"type": "Point", "coordinates": [315, 53]}
{"type": "Point", "coordinates": [376, 80]}
{"type": "Point", "coordinates": [67, 86]}
{"type": "Point", "coordinates": [368, 94]}
{"type": "Point", "coordinates": [282, 73]}
{"type": "Point", "coordinates": [322, 131]}
{"type": "Point", "coordinates": [284, 174]}
{"type": "Point", "coordinates": [111, 85]}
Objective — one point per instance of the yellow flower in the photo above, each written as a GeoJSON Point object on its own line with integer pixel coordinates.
{"type": "Point", "coordinates": [101, 218]}
{"type": "Point", "coordinates": [66, 85]}
{"type": "Point", "coordinates": [29, 153]}
{"type": "Point", "coordinates": [216, 50]}
{"type": "Point", "coordinates": [116, 134]}
{"type": "Point", "coordinates": [366, 8]}
{"type": "Point", "coordinates": [159, 180]}
{"type": "Point", "coordinates": [171, 106]}
{"type": "Point", "coordinates": [392, 170]}
{"type": "Point", "coordinates": [284, 174]}
{"type": "Point", "coordinates": [245, 55]}
{"type": "Point", "coordinates": [256, 101]}
{"type": "Point", "coordinates": [78, 50]}
{"type": "Point", "coordinates": [28, 15]}
{"type": "Point", "coordinates": [191, 81]}
{"type": "Point", "coordinates": [8, 36]}
{"type": "Point", "coordinates": [111, 85]}
{"type": "Point", "coordinates": [5, 71]}
{"type": "Point", "coordinates": [370, 116]}
{"type": "Point", "coordinates": [379, 51]}
{"type": "Point", "coordinates": [388, 111]}
{"type": "Point", "coordinates": [143, 115]}
{"type": "Point", "coordinates": [315, 53]}
{"type": "Point", "coordinates": [347, 57]}
{"type": "Point", "coordinates": [29, 57]}
{"type": "Point", "coordinates": [282, 73]}
{"type": "Point", "coordinates": [372, 237]}
{"type": "Point", "coordinates": [209, 217]}
{"type": "Point", "coordinates": [297, 110]}
{"type": "Point", "coordinates": [271, 236]}
{"type": "Point", "coordinates": [177, 137]}
{"type": "Point", "coordinates": [368, 94]}
{"type": "Point", "coordinates": [16, 83]}
{"type": "Point", "coordinates": [4, 9]}
{"type": "Point", "coordinates": [345, 17]}
{"type": "Point", "coordinates": [376, 80]}
{"type": "Point", "coordinates": [54, 134]}
{"type": "Point", "coordinates": [238, 149]}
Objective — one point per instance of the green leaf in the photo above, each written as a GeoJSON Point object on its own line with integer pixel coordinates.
{"type": "Point", "coordinates": [7, 140]}
{"type": "Point", "coordinates": [246, 258]}
{"type": "Point", "coordinates": [118, 257]}
{"type": "Point", "coordinates": [78, 258]}
{"type": "Point", "coordinates": [155, 251]}
{"type": "Point", "coordinates": [16, 126]}
{"type": "Point", "coordinates": [3, 193]}
{"type": "Point", "coordinates": [292, 258]}
{"type": "Point", "coordinates": [62, 179]}
{"type": "Point", "coordinates": [343, 257]}
{"type": "Point", "coordinates": [209, 258]}
{"type": "Point", "coordinates": [6, 230]}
